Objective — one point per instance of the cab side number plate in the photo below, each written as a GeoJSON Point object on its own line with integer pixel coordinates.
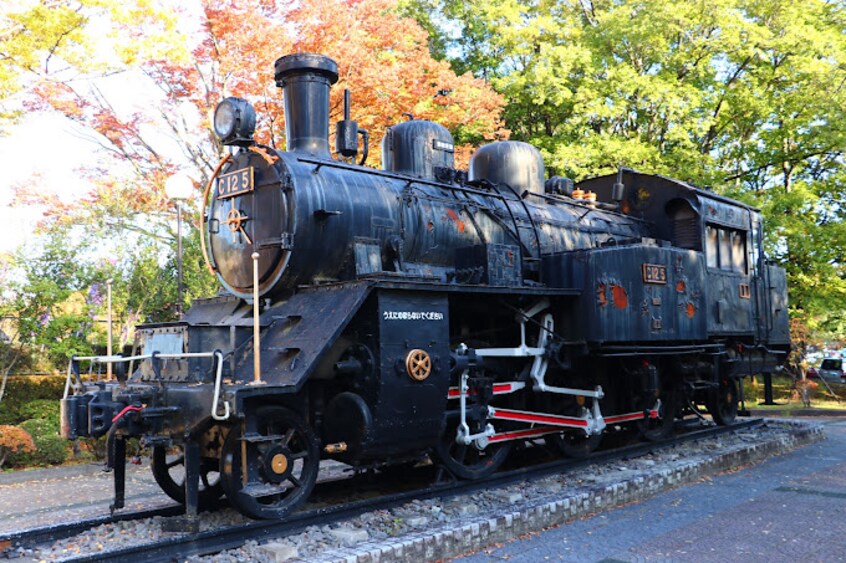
{"type": "Point", "coordinates": [235, 183]}
{"type": "Point", "coordinates": [655, 273]}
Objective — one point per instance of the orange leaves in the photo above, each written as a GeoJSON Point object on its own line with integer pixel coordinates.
{"type": "Point", "coordinates": [58, 96]}
{"type": "Point", "coordinates": [382, 57]}
{"type": "Point", "coordinates": [385, 61]}
{"type": "Point", "coordinates": [14, 439]}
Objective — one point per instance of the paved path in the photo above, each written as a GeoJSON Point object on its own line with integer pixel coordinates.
{"type": "Point", "coordinates": [791, 508]}
{"type": "Point", "coordinates": [30, 499]}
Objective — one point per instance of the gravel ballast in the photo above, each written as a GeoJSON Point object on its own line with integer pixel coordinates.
{"type": "Point", "coordinates": [428, 530]}
{"type": "Point", "coordinates": [438, 528]}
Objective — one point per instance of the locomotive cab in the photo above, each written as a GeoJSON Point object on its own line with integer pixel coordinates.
{"type": "Point", "coordinates": [742, 291]}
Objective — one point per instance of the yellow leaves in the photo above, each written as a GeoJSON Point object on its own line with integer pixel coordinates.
{"type": "Point", "coordinates": [28, 36]}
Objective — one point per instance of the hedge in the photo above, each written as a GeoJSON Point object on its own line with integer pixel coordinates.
{"type": "Point", "coordinates": [50, 448]}
{"type": "Point", "coordinates": [32, 403]}
{"type": "Point", "coordinates": [23, 390]}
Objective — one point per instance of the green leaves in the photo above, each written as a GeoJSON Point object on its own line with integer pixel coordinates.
{"type": "Point", "coordinates": [747, 96]}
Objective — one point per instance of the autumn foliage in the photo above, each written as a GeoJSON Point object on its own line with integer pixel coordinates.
{"type": "Point", "coordinates": [383, 59]}
{"type": "Point", "coordinates": [14, 440]}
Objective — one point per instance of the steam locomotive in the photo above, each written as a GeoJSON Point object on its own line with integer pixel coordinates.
{"type": "Point", "coordinates": [375, 316]}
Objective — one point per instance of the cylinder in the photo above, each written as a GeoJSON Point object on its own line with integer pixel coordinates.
{"type": "Point", "coordinates": [305, 79]}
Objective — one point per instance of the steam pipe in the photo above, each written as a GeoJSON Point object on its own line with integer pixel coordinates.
{"type": "Point", "coordinates": [346, 104]}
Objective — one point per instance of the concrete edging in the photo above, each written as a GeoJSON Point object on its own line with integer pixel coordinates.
{"type": "Point", "coordinates": [435, 544]}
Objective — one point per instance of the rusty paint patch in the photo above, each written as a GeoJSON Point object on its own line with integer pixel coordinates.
{"type": "Point", "coordinates": [680, 287]}
{"type": "Point", "coordinates": [691, 311]}
{"type": "Point", "coordinates": [601, 298]}
{"type": "Point", "coordinates": [453, 216]}
{"type": "Point", "coordinates": [620, 297]}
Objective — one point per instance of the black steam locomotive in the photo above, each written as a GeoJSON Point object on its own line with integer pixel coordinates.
{"type": "Point", "coordinates": [377, 316]}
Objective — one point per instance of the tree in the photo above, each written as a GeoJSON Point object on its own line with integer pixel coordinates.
{"type": "Point", "coordinates": [382, 56]}
{"type": "Point", "coordinates": [46, 297]}
{"type": "Point", "coordinates": [748, 96]}
{"type": "Point", "coordinates": [59, 39]}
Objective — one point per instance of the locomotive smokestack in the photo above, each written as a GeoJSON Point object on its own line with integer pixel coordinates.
{"type": "Point", "coordinates": [305, 79]}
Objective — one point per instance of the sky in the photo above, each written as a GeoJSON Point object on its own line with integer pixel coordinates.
{"type": "Point", "coordinates": [45, 149]}
{"type": "Point", "coordinates": [48, 148]}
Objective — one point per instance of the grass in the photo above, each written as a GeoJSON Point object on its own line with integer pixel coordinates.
{"type": "Point", "coordinates": [788, 398]}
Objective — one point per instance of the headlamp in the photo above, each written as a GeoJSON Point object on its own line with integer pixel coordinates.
{"type": "Point", "coordinates": [234, 122]}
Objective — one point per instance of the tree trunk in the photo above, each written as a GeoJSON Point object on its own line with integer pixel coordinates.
{"type": "Point", "coordinates": [787, 169]}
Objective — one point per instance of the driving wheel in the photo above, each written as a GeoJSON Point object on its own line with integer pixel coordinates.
{"type": "Point", "coordinates": [283, 458]}
{"type": "Point", "coordinates": [467, 461]}
{"type": "Point", "coordinates": [169, 472]}
{"type": "Point", "coordinates": [654, 429]}
{"type": "Point", "coordinates": [722, 402]}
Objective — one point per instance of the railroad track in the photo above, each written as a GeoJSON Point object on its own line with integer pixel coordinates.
{"type": "Point", "coordinates": [181, 545]}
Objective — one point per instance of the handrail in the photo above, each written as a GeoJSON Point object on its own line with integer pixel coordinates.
{"type": "Point", "coordinates": [119, 359]}
{"type": "Point", "coordinates": [217, 355]}
{"type": "Point", "coordinates": [217, 381]}
{"type": "Point", "coordinates": [68, 380]}
{"type": "Point", "coordinates": [111, 359]}
{"type": "Point", "coordinates": [206, 192]}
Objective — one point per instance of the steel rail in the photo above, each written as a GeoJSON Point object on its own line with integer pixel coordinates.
{"type": "Point", "coordinates": [55, 532]}
{"type": "Point", "coordinates": [221, 539]}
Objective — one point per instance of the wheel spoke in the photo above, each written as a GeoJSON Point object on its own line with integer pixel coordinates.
{"type": "Point", "coordinates": [177, 461]}
{"type": "Point", "coordinates": [290, 486]}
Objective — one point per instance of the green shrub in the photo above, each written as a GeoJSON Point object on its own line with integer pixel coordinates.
{"type": "Point", "coordinates": [50, 448]}
{"type": "Point", "coordinates": [42, 409]}
{"type": "Point", "coordinates": [21, 390]}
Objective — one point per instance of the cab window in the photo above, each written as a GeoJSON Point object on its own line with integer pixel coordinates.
{"type": "Point", "coordinates": [712, 248]}
{"type": "Point", "coordinates": [726, 249]}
